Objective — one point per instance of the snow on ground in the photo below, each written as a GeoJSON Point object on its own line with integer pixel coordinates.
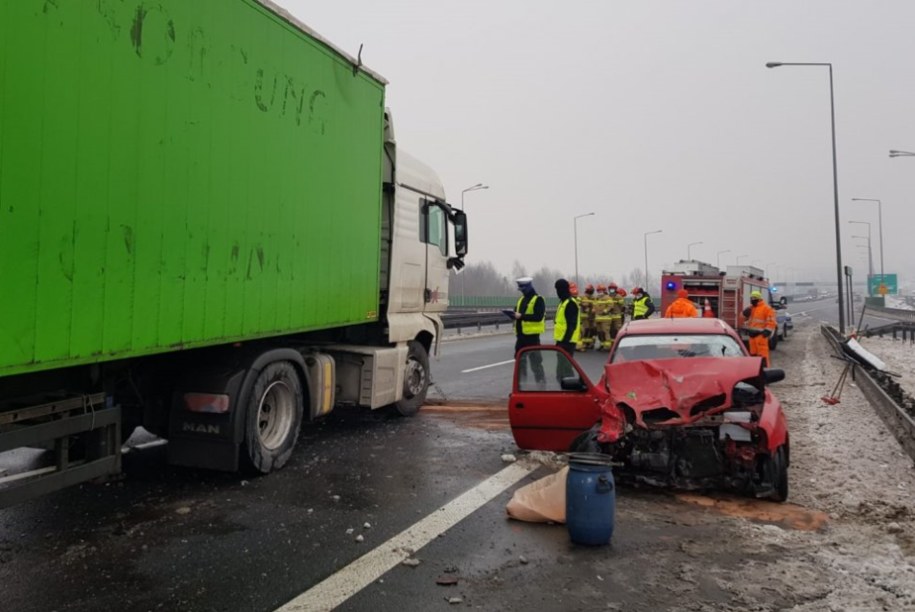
{"type": "Point", "coordinates": [899, 356]}
{"type": "Point", "coordinates": [846, 463]}
{"type": "Point", "coordinates": [896, 302]}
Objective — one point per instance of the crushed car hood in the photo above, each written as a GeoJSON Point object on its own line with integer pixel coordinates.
{"type": "Point", "coordinates": [671, 392]}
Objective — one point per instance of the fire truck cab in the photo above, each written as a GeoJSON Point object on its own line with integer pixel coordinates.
{"type": "Point", "coordinates": [725, 292]}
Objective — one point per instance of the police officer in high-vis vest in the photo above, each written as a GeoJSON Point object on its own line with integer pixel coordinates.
{"type": "Point", "coordinates": [567, 330]}
{"type": "Point", "coordinates": [642, 306]}
{"type": "Point", "coordinates": [530, 322]}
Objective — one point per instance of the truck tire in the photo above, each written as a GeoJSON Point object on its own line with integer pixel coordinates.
{"type": "Point", "coordinates": [415, 380]}
{"type": "Point", "coordinates": [274, 417]}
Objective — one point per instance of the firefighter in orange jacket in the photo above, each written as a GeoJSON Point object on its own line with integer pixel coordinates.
{"type": "Point", "coordinates": [761, 324]}
{"type": "Point", "coordinates": [681, 307]}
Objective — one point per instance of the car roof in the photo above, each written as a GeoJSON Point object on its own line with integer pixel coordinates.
{"type": "Point", "coordinates": [681, 325]}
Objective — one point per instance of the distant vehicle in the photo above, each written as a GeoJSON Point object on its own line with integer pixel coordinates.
{"type": "Point", "coordinates": [681, 403]}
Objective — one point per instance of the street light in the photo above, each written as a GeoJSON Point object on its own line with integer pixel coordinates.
{"type": "Point", "coordinates": [645, 237]}
{"type": "Point", "coordinates": [476, 187]}
{"type": "Point", "coordinates": [879, 225]}
{"type": "Point", "coordinates": [835, 181]}
{"type": "Point", "coordinates": [689, 247]}
{"type": "Point", "coordinates": [575, 229]}
{"type": "Point", "coordinates": [865, 246]}
{"type": "Point", "coordinates": [870, 261]}
{"type": "Point", "coordinates": [895, 153]}
{"type": "Point", "coordinates": [718, 257]}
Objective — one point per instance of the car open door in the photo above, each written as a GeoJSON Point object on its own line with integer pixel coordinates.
{"type": "Point", "coordinates": [552, 400]}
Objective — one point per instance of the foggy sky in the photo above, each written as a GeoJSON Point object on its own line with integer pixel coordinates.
{"type": "Point", "coordinates": [654, 115]}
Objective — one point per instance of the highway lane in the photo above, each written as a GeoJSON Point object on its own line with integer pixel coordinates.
{"type": "Point", "coordinates": [480, 368]}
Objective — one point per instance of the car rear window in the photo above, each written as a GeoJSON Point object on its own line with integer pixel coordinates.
{"type": "Point", "coordinates": [671, 346]}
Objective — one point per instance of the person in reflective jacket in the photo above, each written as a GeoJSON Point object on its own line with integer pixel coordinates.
{"type": "Point", "coordinates": [761, 323]}
{"type": "Point", "coordinates": [681, 307]}
{"type": "Point", "coordinates": [530, 322]}
{"type": "Point", "coordinates": [642, 306]}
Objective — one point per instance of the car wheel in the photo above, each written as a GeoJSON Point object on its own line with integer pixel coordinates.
{"type": "Point", "coordinates": [585, 442]}
{"type": "Point", "coordinates": [780, 474]}
{"type": "Point", "coordinates": [772, 474]}
{"type": "Point", "coordinates": [415, 380]}
{"type": "Point", "coordinates": [274, 417]}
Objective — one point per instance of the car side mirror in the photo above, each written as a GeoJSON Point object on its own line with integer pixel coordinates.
{"type": "Point", "coordinates": [572, 383]}
{"type": "Point", "coordinates": [773, 375]}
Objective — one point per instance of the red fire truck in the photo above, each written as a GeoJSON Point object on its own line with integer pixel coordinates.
{"type": "Point", "coordinates": [727, 291]}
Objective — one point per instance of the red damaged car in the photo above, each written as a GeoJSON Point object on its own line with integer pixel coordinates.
{"type": "Point", "coordinates": [681, 403]}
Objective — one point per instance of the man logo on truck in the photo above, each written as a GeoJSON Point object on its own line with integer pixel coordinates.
{"type": "Point", "coordinates": [200, 428]}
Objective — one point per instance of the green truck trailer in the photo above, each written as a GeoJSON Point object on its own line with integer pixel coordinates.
{"type": "Point", "coordinates": [207, 229]}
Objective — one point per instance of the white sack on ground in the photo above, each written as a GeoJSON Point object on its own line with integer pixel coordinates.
{"type": "Point", "coordinates": [542, 501]}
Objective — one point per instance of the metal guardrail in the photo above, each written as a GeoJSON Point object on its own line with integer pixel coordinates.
{"type": "Point", "coordinates": [898, 314]}
{"type": "Point", "coordinates": [460, 319]}
{"type": "Point", "coordinates": [894, 405]}
{"type": "Point", "coordinates": [905, 329]}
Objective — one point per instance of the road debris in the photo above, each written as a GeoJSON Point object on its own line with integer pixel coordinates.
{"type": "Point", "coordinates": [454, 600]}
{"type": "Point", "coordinates": [411, 562]}
{"type": "Point", "coordinates": [446, 580]}
{"type": "Point", "coordinates": [508, 458]}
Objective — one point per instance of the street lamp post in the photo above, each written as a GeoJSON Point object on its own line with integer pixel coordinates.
{"type": "Point", "coordinates": [835, 180]}
{"type": "Point", "coordinates": [476, 187]}
{"type": "Point", "coordinates": [575, 230]}
{"type": "Point", "coordinates": [879, 225]}
{"type": "Point", "coordinates": [645, 237]}
{"type": "Point", "coordinates": [718, 257]}
{"type": "Point", "coordinates": [870, 260]}
{"type": "Point", "coordinates": [689, 248]}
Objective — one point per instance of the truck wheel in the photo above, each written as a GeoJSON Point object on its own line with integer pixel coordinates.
{"type": "Point", "coordinates": [274, 417]}
{"type": "Point", "coordinates": [415, 380]}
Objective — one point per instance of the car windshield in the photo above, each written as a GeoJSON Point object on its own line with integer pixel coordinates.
{"type": "Point", "coordinates": [675, 346]}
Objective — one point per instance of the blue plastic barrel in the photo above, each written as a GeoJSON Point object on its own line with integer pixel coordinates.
{"type": "Point", "coordinates": [590, 499]}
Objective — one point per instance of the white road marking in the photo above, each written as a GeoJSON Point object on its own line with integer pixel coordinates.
{"type": "Point", "coordinates": [368, 568]}
{"type": "Point", "coordinates": [492, 365]}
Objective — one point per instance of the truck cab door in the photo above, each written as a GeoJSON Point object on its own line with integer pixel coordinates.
{"type": "Point", "coordinates": [435, 236]}
{"type": "Point", "coordinates": [552, 400]}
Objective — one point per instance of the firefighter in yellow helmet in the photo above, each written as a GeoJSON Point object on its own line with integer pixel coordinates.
{"type": "Point", "coordinates": [603, 319]}
{"type": "Point", "coordinates": [617, 306]}
{"type": "Point", "coordinates": [586, 312]}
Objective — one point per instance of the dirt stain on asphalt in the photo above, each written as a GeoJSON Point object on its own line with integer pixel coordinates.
{"type": "Point", "coordinates": [785, 515]}
{"type": "Point", "coordinates": [489, 417]}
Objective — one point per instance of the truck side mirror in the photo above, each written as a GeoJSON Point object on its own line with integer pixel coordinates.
{"type": "Point", "coordinates": [459, 218]}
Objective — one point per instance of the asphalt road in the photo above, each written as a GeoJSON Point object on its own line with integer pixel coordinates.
{"type": "Point", "coordinates": [177, 539]}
